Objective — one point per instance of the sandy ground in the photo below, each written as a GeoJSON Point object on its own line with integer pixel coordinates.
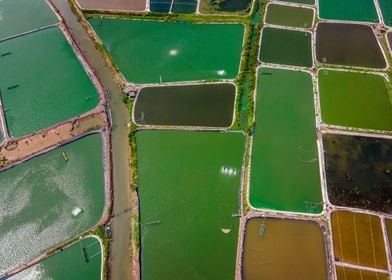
{"type": "Point", "coordinates": [21, 149]}
{"type": "Point", "coordinates": [113, 5]}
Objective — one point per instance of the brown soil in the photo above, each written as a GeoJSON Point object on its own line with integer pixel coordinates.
{"type": "Point", "coordinates": [114, 5]}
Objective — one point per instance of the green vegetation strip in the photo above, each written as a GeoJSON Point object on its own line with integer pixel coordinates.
{"type": "Point", "coordinates": [19, 16]}
{"type": "Point", "coordinates": [189, 185]}
{"type": "Point", "coordinates": [42, 82]}
{"type": "Point", "coordinates": [284, 166]}
{"type": "Point", "coordinates": [50, 199]}
{"type": "Point", "coordinates": [178, 51]}
{"type": "Point", "coordinates": [356, 100]}
{"type": "Point", "coordinates": [82, 260]}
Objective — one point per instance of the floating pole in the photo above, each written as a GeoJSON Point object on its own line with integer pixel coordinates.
{"type": "Point", "coordinates": [153, 223]}
{"type": "Point", "coordinates": [64, 156]}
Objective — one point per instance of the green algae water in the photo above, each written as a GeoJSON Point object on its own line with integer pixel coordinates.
{"type": "Point", "coordinates": [42, 82]}
{"type": "Point", "coordinates": [386, 9]}
{"type": "Point", "coordinates": [190, 105]}
{"type": "Point", "coordinates": [151, 52]}
{"type": "Point", "coordinates": [47, 200]}
{"type": "Point", "coordinates": [289, 16]}
{"type": "Point", "coordinates": [352, 10]}
{"type": "Point", "coordinates": [68, 264]}
{"type": "Point", "coordinates": [189, 184]}
{"type": "Point", "coordinates": [308, 2]}
{"type": "Point", "coordinates": [287, 47]}
{"type": "Point", "coordinates": [284, 165]}
{"type": "Point", "coordinates": [354, 99]}
{"type": "Point", "coordinates": [19, 16]}
{"type": "Point", "coordinates": [289, 249]}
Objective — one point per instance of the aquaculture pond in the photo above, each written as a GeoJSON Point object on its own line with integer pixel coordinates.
{"type": "Point", "coordinates": [272, 248]}
{"type": "Point", "coordinates": [174, 6]}
{"type": "Point", "coordinates": [352, 10]}
{"type": "Point", "coordinates": [386, 9]}
{"type": "Point", "coordinates": [289, 16]}
{"type": "Point", "coordinates": [308, 2]}
{"type": "Point", "coordinates": [113, 5]}
{"type": "Point", "coordinates": [19, 16]}
{"type": "Point", "coordinates": [42, 82]}
{"type": "Point", "coordinates": [345, 273]}
{"type": "Point", "coordinates": [354, 99]}
{"type": "Point", "coordinates": [359, 171]}
{"type": "Point", "coordinates": [388, 223]}
{"type": "Point", "coordinates": [225, 6]}
{"type": "Point", "coordinates": [82, 260]}
{"type": "Point", "coordinates": [287, 47]}
{"type": "Point", "coordinates": [358, 239]}
{"type": "Point", "coordinates": [49, 199]}
{"type": "Point", "coordinates": [189, 184]}
{"type": "Point", "coordinates": [182, 51]}
{"type": "Point", "coordinates": [190, 105]}
{"type": "Point", "coordinates": [284, 165]}
{"type": "Point", "coordinates": [348, 44]}
{"type": "Point", "coordinates": [389, 38]}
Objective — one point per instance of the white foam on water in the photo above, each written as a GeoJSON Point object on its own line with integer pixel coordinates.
{"type": "Point", "coordinates": [173, 52]}
{"type": "Point", "coordinates": [221, 72]}
{"type": "Point", "coordinates": [230, 171]}
{"type": "Point", "coordinates": [76, 211]}
{"type": "Point", "coordinates": [35, 272]}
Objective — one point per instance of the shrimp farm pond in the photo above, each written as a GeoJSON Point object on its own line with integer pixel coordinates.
{"type": "Point", "coordinates": [210, 105]}
{"type": "Point", "coordinates": [190, 206]}
{"type": "Point", "coordinates": [48, 200]}
{"type": "Point", "coordinates": [195, 139]}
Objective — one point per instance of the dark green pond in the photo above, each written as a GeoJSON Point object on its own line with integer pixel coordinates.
{"type": "Point", "coordinates": [386, 8]}
{"type": "Point", "coordinates": [39, 199]}
{"type": "Point", "coordinates": [348, 44]}
{"type": "Point", "coordinates": [289, 16]}
{"type": "Point", "coordinates": [287, 47]}
{"type": "Point", "coordinates": [193, 105]}
{"type": "Point", "coordinates": [359, 171]}
{"type": "Point", "coordinates": [72, 260]}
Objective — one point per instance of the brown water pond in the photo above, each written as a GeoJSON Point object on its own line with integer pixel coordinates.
{"type": "Point", "coordinates": [348, 44]}
{"type": "Point", "coordinates": [272, 247]}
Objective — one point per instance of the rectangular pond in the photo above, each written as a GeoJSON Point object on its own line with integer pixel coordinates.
{"type": "Point", "coordinates": [189, 184]}
{"type": "Point", "coordinates": [174, 6]}
{"type": "Point", "coordinates": [386, 9]}
{"type": "Point", "coordinates": [42, 82]}
{"type": "Point", "coordinates": [359, 171]}
{"type": "Point", "coordinates": [388, 223]}
{"type": "Point", "coordinates": [225, 7]}
{"type": "Point", "coordinates": [19, 16]}
{"type": "Point", "coordinates": [348, 44]}
{"type": "Point", "coordinates": [358, 239]}
{"type": "Point", "coordinates": [345, 273]}
{"type": "Point", "coordinates": [308, 2]}
{"type": "Point", "coordinates": [289, 47]}
{"type": "Point", "coordinates": [351, 10]}
{"type": "Point", "coordinates": [289, 16]}
{"type": "Point", "coordinates": [113, 5]}
{"type": "Point", "coordinates": [284, 249]}
{"type": "Point", "coordinates": [152, 51]}
{"type": "Point", "coordinates": [284, 166]}
{"type": "Point", "coordinates": [81, 260]}
{"type": "Point", "coordinates": [209, 105]}
{"type": "Point", "coordinates": [50, 199]}
{"type": "Point", "coordinates": [354, 99]}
